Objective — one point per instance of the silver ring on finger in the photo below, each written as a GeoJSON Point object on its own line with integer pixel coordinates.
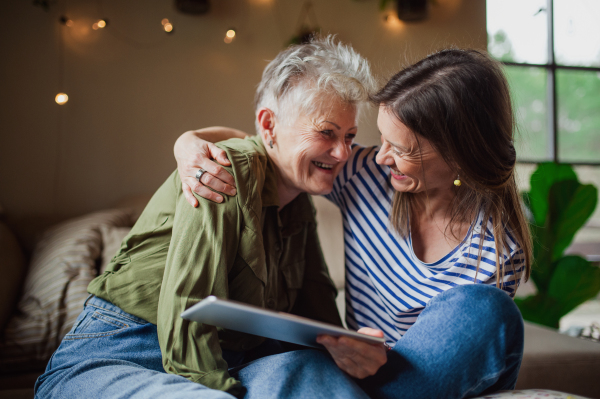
{"type": "Point", "coordinates": [199, 174]}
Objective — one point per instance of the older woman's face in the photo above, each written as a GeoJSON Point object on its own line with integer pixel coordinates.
{"type": "Point", "coordinates": [312, 151]}
{"type": "Point", "coordinates": [415, 165]}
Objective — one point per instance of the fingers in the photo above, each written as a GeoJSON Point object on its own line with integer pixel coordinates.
{"type": "Point", "coordinates": [200, 189]}
{"type": "Point", "coordinates": [187, 193]}
{"type": "Point", "coordinates": [210, 180]}
{"type": "Point", "coordinates": [357, 358]}
{"type": "Point", "coordinates": [218, 154]}
{"type": "Point", "coordinates": [215, 169]}
{"type": "Point", "coordinates": [371, 331]}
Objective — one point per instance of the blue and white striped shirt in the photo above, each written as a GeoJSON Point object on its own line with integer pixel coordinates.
{"type": "Point", "coordinates": [387, 286]}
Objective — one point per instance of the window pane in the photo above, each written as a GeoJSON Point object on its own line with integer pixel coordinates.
{"type": "Point", "coordinates": [577, 32]}
{"type": "Point", "coordinates": [518, 30]}
{"type": "Point", "coordinates": [578, 106]}
{"type": "Point", "coordinates": [528, 91]}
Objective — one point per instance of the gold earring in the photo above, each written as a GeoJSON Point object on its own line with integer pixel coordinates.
{"type": "Point", "coordinates": [271, 143]}
{"type": "Point", "coordinates": [457, 182]}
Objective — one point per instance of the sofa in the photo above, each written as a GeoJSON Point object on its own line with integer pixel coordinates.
{"type": "Point", "coordinates": [47, 263]}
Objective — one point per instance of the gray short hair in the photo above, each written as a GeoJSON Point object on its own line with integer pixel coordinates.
{"type": "Point", "coordinates": [303, 78]}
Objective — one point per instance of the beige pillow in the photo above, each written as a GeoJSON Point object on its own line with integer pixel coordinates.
{"type": "Point", "coordinates": [112, 237]}
{"type": "Point", "coordinates": [62, 265]}
{"type": "Point", "coordinates": [12, 269]}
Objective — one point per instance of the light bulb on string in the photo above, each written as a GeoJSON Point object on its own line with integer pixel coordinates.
{"type": "Point", "coordinates": [100, 24]}
{"type": "Point", "coordinates": [61, 98]}
{"type": "Point", "coordinates": [229, 36]}
{"type": "Point", "coordinates": [167, 25]}
{"type": "Point", "coordinates": [392, 21]}
{"type": "Point", "coordinates": [66, 21]}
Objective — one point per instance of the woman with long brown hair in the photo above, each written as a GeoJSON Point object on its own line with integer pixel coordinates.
{"type": "Point", "coordinates": [435, 236]}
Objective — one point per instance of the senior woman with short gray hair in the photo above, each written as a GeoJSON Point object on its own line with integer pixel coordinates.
{"type": "Point", "coordinates": [259, 247]}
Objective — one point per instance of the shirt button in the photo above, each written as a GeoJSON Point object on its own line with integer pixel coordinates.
{"type": "Point", "coordinates": [271, 303]}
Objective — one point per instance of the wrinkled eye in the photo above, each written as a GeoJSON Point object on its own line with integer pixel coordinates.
{"type": "Point", "coordinates": [397, 152]}
{"type": "Point", "coordinates": [327, 133]}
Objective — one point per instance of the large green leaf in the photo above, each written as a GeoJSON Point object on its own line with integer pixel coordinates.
{"type": "Point", "coordinates": [570, 205]}
{"type": "Point", "coordinates": [542, 267]}
{"type": "Point", "coordinates": [545, 175]}
{"type": "Point", "coordinates": [575, 280]}
{"type": "Point", "coordinates": [540, 309]}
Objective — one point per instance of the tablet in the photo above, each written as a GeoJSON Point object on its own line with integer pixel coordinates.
{"type": "Point", "coordinates": [267, 323]}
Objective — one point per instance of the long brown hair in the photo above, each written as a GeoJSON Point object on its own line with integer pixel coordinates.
{"type": "Point", "coordinates": [459, 101]}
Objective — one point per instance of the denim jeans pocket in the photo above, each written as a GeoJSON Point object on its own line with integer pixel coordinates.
{"type": "Point", "coordinates": [98, 322]}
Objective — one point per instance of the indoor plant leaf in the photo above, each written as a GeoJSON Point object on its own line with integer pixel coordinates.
{"type": "Point", "coordinates": [539, 309]}
{"type": "Point", "coordinates": [575, 280]}
{"type": "Point", "coordinates": [570, 205]}
{"type": "Point", "coordinates": [542, 179]}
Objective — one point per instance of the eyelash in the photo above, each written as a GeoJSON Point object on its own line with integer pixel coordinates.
{"type": "Point", "coordinates": [329, 133]}
{"type": "Point", "coordinates": [398, 152]}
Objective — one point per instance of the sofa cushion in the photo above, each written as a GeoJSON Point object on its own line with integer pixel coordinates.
{"type": "Point", "coordinates": [63, 263]}
{"type": "Point", "coordinates": [559, 362]}
{"type": "Point", "coordinates": [12, 269]}
{"type": "Point", "coordinates": [530, 394]}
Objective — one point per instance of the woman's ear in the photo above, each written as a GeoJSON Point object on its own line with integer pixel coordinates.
{"type": "Point", "coordinates": [266, 123]}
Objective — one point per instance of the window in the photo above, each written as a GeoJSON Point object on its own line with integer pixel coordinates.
{"type": "Point", "coordinates": [551, 53]}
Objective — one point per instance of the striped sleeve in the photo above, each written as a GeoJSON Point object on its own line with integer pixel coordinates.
{"type": "Point", "coordinates": [357, 160]}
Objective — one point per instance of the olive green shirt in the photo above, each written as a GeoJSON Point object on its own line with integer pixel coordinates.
{"type": "Point", "coordinates": [242, 249]}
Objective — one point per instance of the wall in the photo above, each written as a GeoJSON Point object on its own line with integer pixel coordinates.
{"type": "Point", "coordinates": [133, 89]}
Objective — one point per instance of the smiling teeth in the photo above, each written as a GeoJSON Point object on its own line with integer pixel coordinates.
{"type": "Point", "coordinates": [323, 165]}
{"type": "Point", "coordinates": [397, 172]}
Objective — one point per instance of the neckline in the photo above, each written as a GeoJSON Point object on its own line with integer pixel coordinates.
{"type": "Point", "coordinates": [444, 258]}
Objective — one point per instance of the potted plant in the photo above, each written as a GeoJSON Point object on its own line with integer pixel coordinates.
{"type": "Point", "coordinates": [559, 206]}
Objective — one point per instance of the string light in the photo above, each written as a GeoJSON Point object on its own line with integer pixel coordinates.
{"type": "Point", "coordinates": [66, 21]}
{"type": "Point", "coordinates": [392, 21]}
{"type": "Point", "coordinates": [61, 98]}
{"type": "Point", "coordinates": [167, 25]}
{"type": "Point", "coordinates": [101, 23]}
{"type": "Point", "coordinates": [229, 36]}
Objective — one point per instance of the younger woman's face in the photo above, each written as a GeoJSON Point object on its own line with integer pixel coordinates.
{"type": "Point", "coordinates": [415, 165]}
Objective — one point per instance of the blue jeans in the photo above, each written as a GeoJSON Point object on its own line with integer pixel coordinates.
{"type": "Point", "coordinates": [112, 354]}
{"type": "Point", "coordinates": [467, 342]}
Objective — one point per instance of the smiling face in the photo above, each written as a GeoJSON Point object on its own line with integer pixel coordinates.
{"type": "Point", "coordinates": [312, 151]}
{"type": "Point", "coordinates": [415, 165]}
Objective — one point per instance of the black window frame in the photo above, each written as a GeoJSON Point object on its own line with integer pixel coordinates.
{"type": "Point", "coordinates": [551, 67]}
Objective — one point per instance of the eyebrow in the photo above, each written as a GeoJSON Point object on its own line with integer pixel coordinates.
{"type": "Point", "coordinates": [339, 128]}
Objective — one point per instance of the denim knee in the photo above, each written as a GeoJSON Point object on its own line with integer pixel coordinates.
{"type": "Point", "coordinates": [485, 311]}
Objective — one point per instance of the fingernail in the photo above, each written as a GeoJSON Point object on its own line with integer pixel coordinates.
{"type": "Point", "coordinates": [233, 192]}
{"type": "Point", "coordinates": [219, 199]}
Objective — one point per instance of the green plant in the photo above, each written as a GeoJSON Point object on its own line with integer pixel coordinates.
{"type": "Point", "coordinates": [559, 205]}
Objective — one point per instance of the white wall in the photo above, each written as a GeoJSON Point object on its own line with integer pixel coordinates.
{"type": "Point", "coordinates": [133, 89]}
